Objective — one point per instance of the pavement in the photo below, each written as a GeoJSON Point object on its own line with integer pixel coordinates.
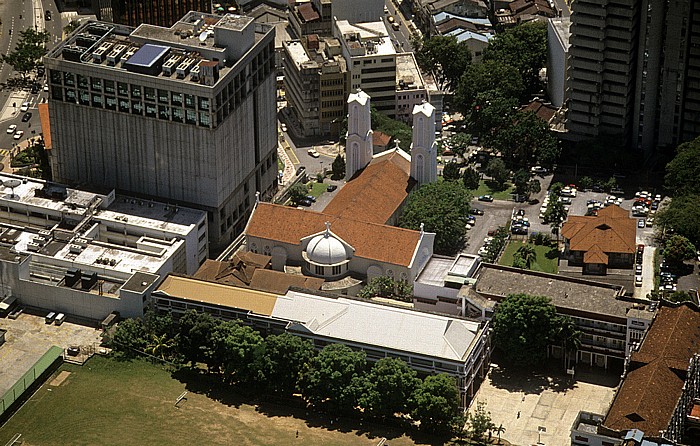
{"type": "Point", "coordinates": [28, 338]}
{"type": "Point", "coordinates": [540, 408]}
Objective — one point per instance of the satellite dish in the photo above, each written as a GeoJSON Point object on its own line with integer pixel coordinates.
{"type": "Point", "coordinates": [12, 183]}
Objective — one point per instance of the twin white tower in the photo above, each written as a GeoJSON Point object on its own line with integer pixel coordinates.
{"type": "Point", "coordinates": [358, 149]}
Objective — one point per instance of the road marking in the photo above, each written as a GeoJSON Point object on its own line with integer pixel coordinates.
{"type": "Point", "coordinates": [4, 152]}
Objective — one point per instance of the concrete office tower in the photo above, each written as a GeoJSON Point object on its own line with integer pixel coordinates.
{"type": "Point", "coordinates": [184, 114]}
{"type": "Point", "coordinates": [423, 147]}
{"type": "Point", "coordinates": [603, 58]}
{"type": "Point", "coordinates": [154, 12]}
{"type": "Point", "coordinates": [667, 105]}
{"type": "Point", "coordinates": [358, 146]}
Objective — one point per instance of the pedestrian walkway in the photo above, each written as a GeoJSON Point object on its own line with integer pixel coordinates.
{"type": "Point", "coordinates": [8, 110]}
{"type": "Point", "coordinates": [288, 173]}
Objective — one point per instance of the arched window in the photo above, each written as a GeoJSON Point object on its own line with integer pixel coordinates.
{"type": "Point", "coordinates": [254, 248]}
{"type": "Point", "coordinates": [420, 161]}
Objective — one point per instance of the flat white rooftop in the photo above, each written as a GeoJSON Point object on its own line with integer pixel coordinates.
{"type": "Point", "coordinates": [298, 53]}
{"type": "Point", "coordinates": [384, 326]}
{"type": "Point", "coordinates": [439, 267]}
{"type": "Point", "coordinates": [152, 214]}
{"type": "Point", "coordinates": [373, 36]}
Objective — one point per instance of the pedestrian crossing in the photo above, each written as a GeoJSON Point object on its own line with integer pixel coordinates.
{"type": "Point", "coordinates": [4, 152]}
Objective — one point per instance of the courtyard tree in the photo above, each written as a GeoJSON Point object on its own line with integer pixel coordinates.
{"type": "Point", "coordinates": [436, 405]}
{"type": "Point", "coordinates": [470, 178]}
{"type": "Point", "coordinates": [527, 141]}
{"type": "Point", "coordinates": [446, 58]}
{"type": "Point", "coordinates": [441, 207]}
{"type": "Point", "coordinates": [194, 336]}
{"type": "Point", "coordinates": [388, 388]}
{"type": "Point", "coordinates": [285, 358]}
{"type": "Point", "coordinates": [338, 167]}
{"type": "Point", "coordinates": [297, 193]}
{"type": "Point", "coordinates": [683, 172]}
{"type": "Point", "coordinates": [28, 51]}
{"type": "Point", "coordinates": [498, 172]}
{"type": "Point", "coordinates": [491, 112]}
{"type": "Point", "coordinates": [334, 378]}
{"type": "Point", "coordinates": [451, 171]}
{"type": "Point", "coordinates": [129, 336]}
{"type": "Point", "coordinates": [480, 422]}
{"type": "Point", "coordinates": [678, 249]}
{"type": "Point", "coordinates": [385, 286]}
{"type": "Point", "coordinates": [524, 326]}
{"type": "Point", "coordinates": [521, 180]}
{"type": "Point", "coordinates": [682, 215]}
{"type": "Point", "coordinates": [493, 78]}
{"type": "Point", "coordinates": [527, 254]}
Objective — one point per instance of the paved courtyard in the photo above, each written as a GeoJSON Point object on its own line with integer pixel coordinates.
{"type": "Point", "coordinates": [526, 402]}
{"type": "Point", "coordinates": [28, 338]}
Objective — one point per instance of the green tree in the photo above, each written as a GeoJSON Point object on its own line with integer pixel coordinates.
{"type": "Point", "coordinates": [492, 112]}
{"type": "Point", "coordinates": [442, 208]}
{"type": "Point", "coordinates": [28, 51]}
{"type": "Point", "coordinates": [436, 404]}
{"type": "Point", "coordinates": [129, 335]}
{"type": "Point", "coordinates": [518, 261]}
{"type": "Point", "coordinates": [498, 171]}
{"type": "Point", "coordinates": [534, 186]}
{"type": "Point", "coordinates": [521, 180]}
{"type": "Point", "coordinates": [523, 327]}
{"type": "Point", "coordinates": [528, 254]}
{"type": "Point", "coordinates": [388, 388]}
{"type": "Point", "coordinates": [568, 336]}
{"type": "Point", "coordinates": [159, 324]}
{"type": "Point", "coordinates": [194, 336]}
{"type": "Point", "coordinates": [527, 142]}
{"type": "Point", "coordinates": [523, 47]}
{"type": "Point", "coordinates": [556, 213]}
{"type": "Point", "coordinates": [396, 129]}
{"type": "Point", "coordinates": [610, 184]}
{"type": "Point", "coordinates": [470, 178]}
{"type": "Point", "coordinates": [494, 77]}
{"type": "Point", "coordinates": [683, 216]}
{"type": "Point", "coordinates": [451, 171]}
{"type": "Point", "coordinates": [680, 296]}
{"type": "Point", "coordinates": [286, 356]}
{"type": "Point", "coordinates": [334, 378]}
{"type": "Point", "coordinates": [585, 183]}
{"type": "Point", "coordinates": [338, 167]}
{"type": "Point", "coordinates": [683, 172]}
{"type": "Point", "coordinates": [237, 351]}
{"type": "Point", "coordinates": [460, 142]}
{"type": "Point", "coordinates": [384, 286]}
{"type": "Point", "coordinates": [678, 249]}
{"type": "Point", "coordinates": [160, 346]}
{"type": "Point", "coordinates": [446, 58]}
{"type": "Point", "coordinates": [498, 431]}
{"type": "Point", "coordinates": [297, 193]}
{"type": "Point", "coordinates": [479, 422]}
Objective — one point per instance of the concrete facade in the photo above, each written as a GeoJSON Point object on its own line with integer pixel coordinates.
{"type": "Point", "coordinates": [558, 35]}
{"type": "Point", "coordinates": [194, 126]}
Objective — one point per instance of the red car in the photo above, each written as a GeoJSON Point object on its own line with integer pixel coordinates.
{"type": "Point", "coordinates": [640, 248]}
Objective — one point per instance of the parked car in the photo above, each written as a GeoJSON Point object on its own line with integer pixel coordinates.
{"type": "Point", "coordinates": [638, 280]}
{"type": "Point", "coordinates": [305, 202]}
{"type": "Point", "coordinates": [47, 15]}
{"type": "Point", "coordinates": [311, 198]}
{"type": "Point", "coordinates": [331, 188]}
{"type": "Point", "coordinates": [638, 270]}
{"type": "Point", "coordinates": [488, 198]}
{"type": "Point", "coordinates": [283, 127]}
{"type": "Point", "coordinates": [300, 169]}
{"type": "Point", "coordinates": [476, 211]}
{"type": "Point", "coordinates": [538, 170]}
{"type": "Point", "coordinates": [313, 153]}
{"type": "Point", "coordinates": [24, 107]}
{"type": "Point", "coordinates": [18, 134]}
{"type": "Point", "coordinates": [34, 88]}
{"type": "Point", "coordinates": [641, 223]}
{"type": "Point", "coordinates": [11, 129]}
{"type": "Point", "coordinates": [27, 116]}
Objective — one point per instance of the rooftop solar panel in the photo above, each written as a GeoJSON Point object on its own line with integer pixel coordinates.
{"type": "Point", "coordinates": [147, 55]}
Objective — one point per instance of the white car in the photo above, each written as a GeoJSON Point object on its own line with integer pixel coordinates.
{"type": "Point", "coordinates": [11, 129]}
{"type": "Point", "coordinates": [313, 153]}
{"type": "Point", "coordinates": [24, 107]}
{"type": "Point", "coordinates": [18, 134]}
{"type": "Point", "coordinates": [46, 87]}
{"type": "Point", "coordinates": [284, 127]}
{"type": "Point", "coordinates": [483, 251]}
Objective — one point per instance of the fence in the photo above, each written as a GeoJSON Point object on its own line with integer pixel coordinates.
{"type": "Point", "coordinates": [44, 366]}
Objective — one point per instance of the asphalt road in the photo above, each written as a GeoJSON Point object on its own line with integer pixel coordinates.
{"type": "Point", "coordinates": [402, 37]}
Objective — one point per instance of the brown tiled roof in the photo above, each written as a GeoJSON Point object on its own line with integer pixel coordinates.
{"type": "Point", "coordinates": [279, 282]}
{"type": "Point", "coordinates": [674, 336]}
{"type": "Point", "coordinates": [238, 271]}
{"type": "Point", "coordinates": [45, 124]}
{"type": "Point", "coordinates": [380, 139]}
{"type": "Point", "coordinates": [649, 394]}
{"type": "Point", "coordinates": [595, 255]}
{"type": "Point", "coordinates": [534, 7]}
{"type": "Point", "coordinates": [377, 192]}
{"type": "Point", "coordinates": [543, 111]}
{"type": "Point", "coordinates": [456, 23]}
{"type": "Point", "coordinates": [307, 12]}
{"type": "Point", "coordinates": [371, 240]}
{"type": "Point", "coordinates": [646, 400]}
{"type": "Point", "coordinates": [612, 231]}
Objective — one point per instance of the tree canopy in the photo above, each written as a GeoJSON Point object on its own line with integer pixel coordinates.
{"type": "Point", "coordinates": [678, 249]}
{"type": "Point", "coordinates": [450, 171]}
{"type": "Point", "coordinates": [28, 51]}
{"type": "Point", "coordinates": [683, 216]}
{"type": "Point", "coordinates": [442, 208]}
{"type": "Point", "coordinates": [498, 171]}
{"type": "Point", "coordinates": [683, 172]}
{"type": "Point", "coordinates": [491, 79]}
{"type": "Point", "coordinates": [523, 47]}
{"type": "Point", "coordinates": [527, 142]}
{"type": "Point", "coordinates": [388, 388]}
{"type": "Point", "coordinates": [286, 356]}
{"type": "Point", "coordinates": [334, 378]}
{"type": "Point", "coordinates": [392, 127]}
{"type": "Point", "coordinates": [523, 327]}
{"type": "Point", "coordinates": [446, 58]}
{"type": "Point", "coordinates": [384, 286]}
{"type": "Point", "coordinates": [436, 404]}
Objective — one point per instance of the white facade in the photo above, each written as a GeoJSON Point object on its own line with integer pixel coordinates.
{"type": "Point", "coordinates": [557, 54]}
{"type": "Point", "coordinates": [423, 147]}
{"type": "Point", "coordinates": [358, 148]}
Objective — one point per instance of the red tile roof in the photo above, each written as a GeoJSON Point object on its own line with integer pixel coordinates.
{"type": "Point", "coordinates": [595, 255]}
{"type": "Point", "coordinates": [380, 139]}
{"type": "Point", "coordinates": [308, 13]}
{"type": "Point", "coordinates": [611, 231]}
{"type": "Point", "coordinates": [374, 241]}
{"type": "Point", "coordinates": [649, 394]}
{"type": "Point", "coordinates": [377, 192]}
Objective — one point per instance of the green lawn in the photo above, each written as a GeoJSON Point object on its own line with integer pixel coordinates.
{"type": "Point", "coordinates": [317, 189]}
{"type": "Point", "coordinates": [113, 402]}
{"type": "Point", "coordinates": [546, 257]}
{"type": "Point", "coordinates": [487, 187]}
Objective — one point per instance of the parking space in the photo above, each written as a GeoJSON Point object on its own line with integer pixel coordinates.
{"type": "Point", "coordinates": [542, 407]}
{"type": "Point", "coordinates": [29, 337]}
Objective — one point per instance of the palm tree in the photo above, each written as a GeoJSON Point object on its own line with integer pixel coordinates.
{"type": "Point", "coordinates": [499, 430]}
{"type": "Point", "coordinates": [160, 345]}
{"type": "Point", "coordinates": [569, 336]}
{"type": "Point", "coordinates": [528, 254]}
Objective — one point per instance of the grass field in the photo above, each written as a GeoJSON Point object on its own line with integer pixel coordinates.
{"type": "Point", "coordinates": [113, 402]}
{"type": "Point", "coordinates": [317, 189]}
{"type": "Point", "coordinates": [546, 257]}
{"type": "Point", "coordinates": [488, 187]}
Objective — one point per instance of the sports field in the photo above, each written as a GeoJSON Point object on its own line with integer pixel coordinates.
{"type": "Point", "coordinates": [114, 402]}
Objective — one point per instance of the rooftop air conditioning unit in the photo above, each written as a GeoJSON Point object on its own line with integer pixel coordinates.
{"type": "Point", "coordinates": [75, 249]}
{"type": "Point", "coordinates": [33, 247]}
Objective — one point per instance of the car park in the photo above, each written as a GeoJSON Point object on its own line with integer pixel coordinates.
{"type": "Point", "coordinates": [11, 129]}
{"type": "Point", "coordinates": [27, 116]}
{"type": "Point", "coordinates": [488, 198]}
{"type": "Point", "coordinates": [18, 134]}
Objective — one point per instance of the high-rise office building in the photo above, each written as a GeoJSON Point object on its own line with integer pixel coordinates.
{"type": "Point", "coordinates": [153, 12]}
{"type": "Point", "coordinates": [185, 114]}
{"type": "Point", "coordinates": [635, 71]}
